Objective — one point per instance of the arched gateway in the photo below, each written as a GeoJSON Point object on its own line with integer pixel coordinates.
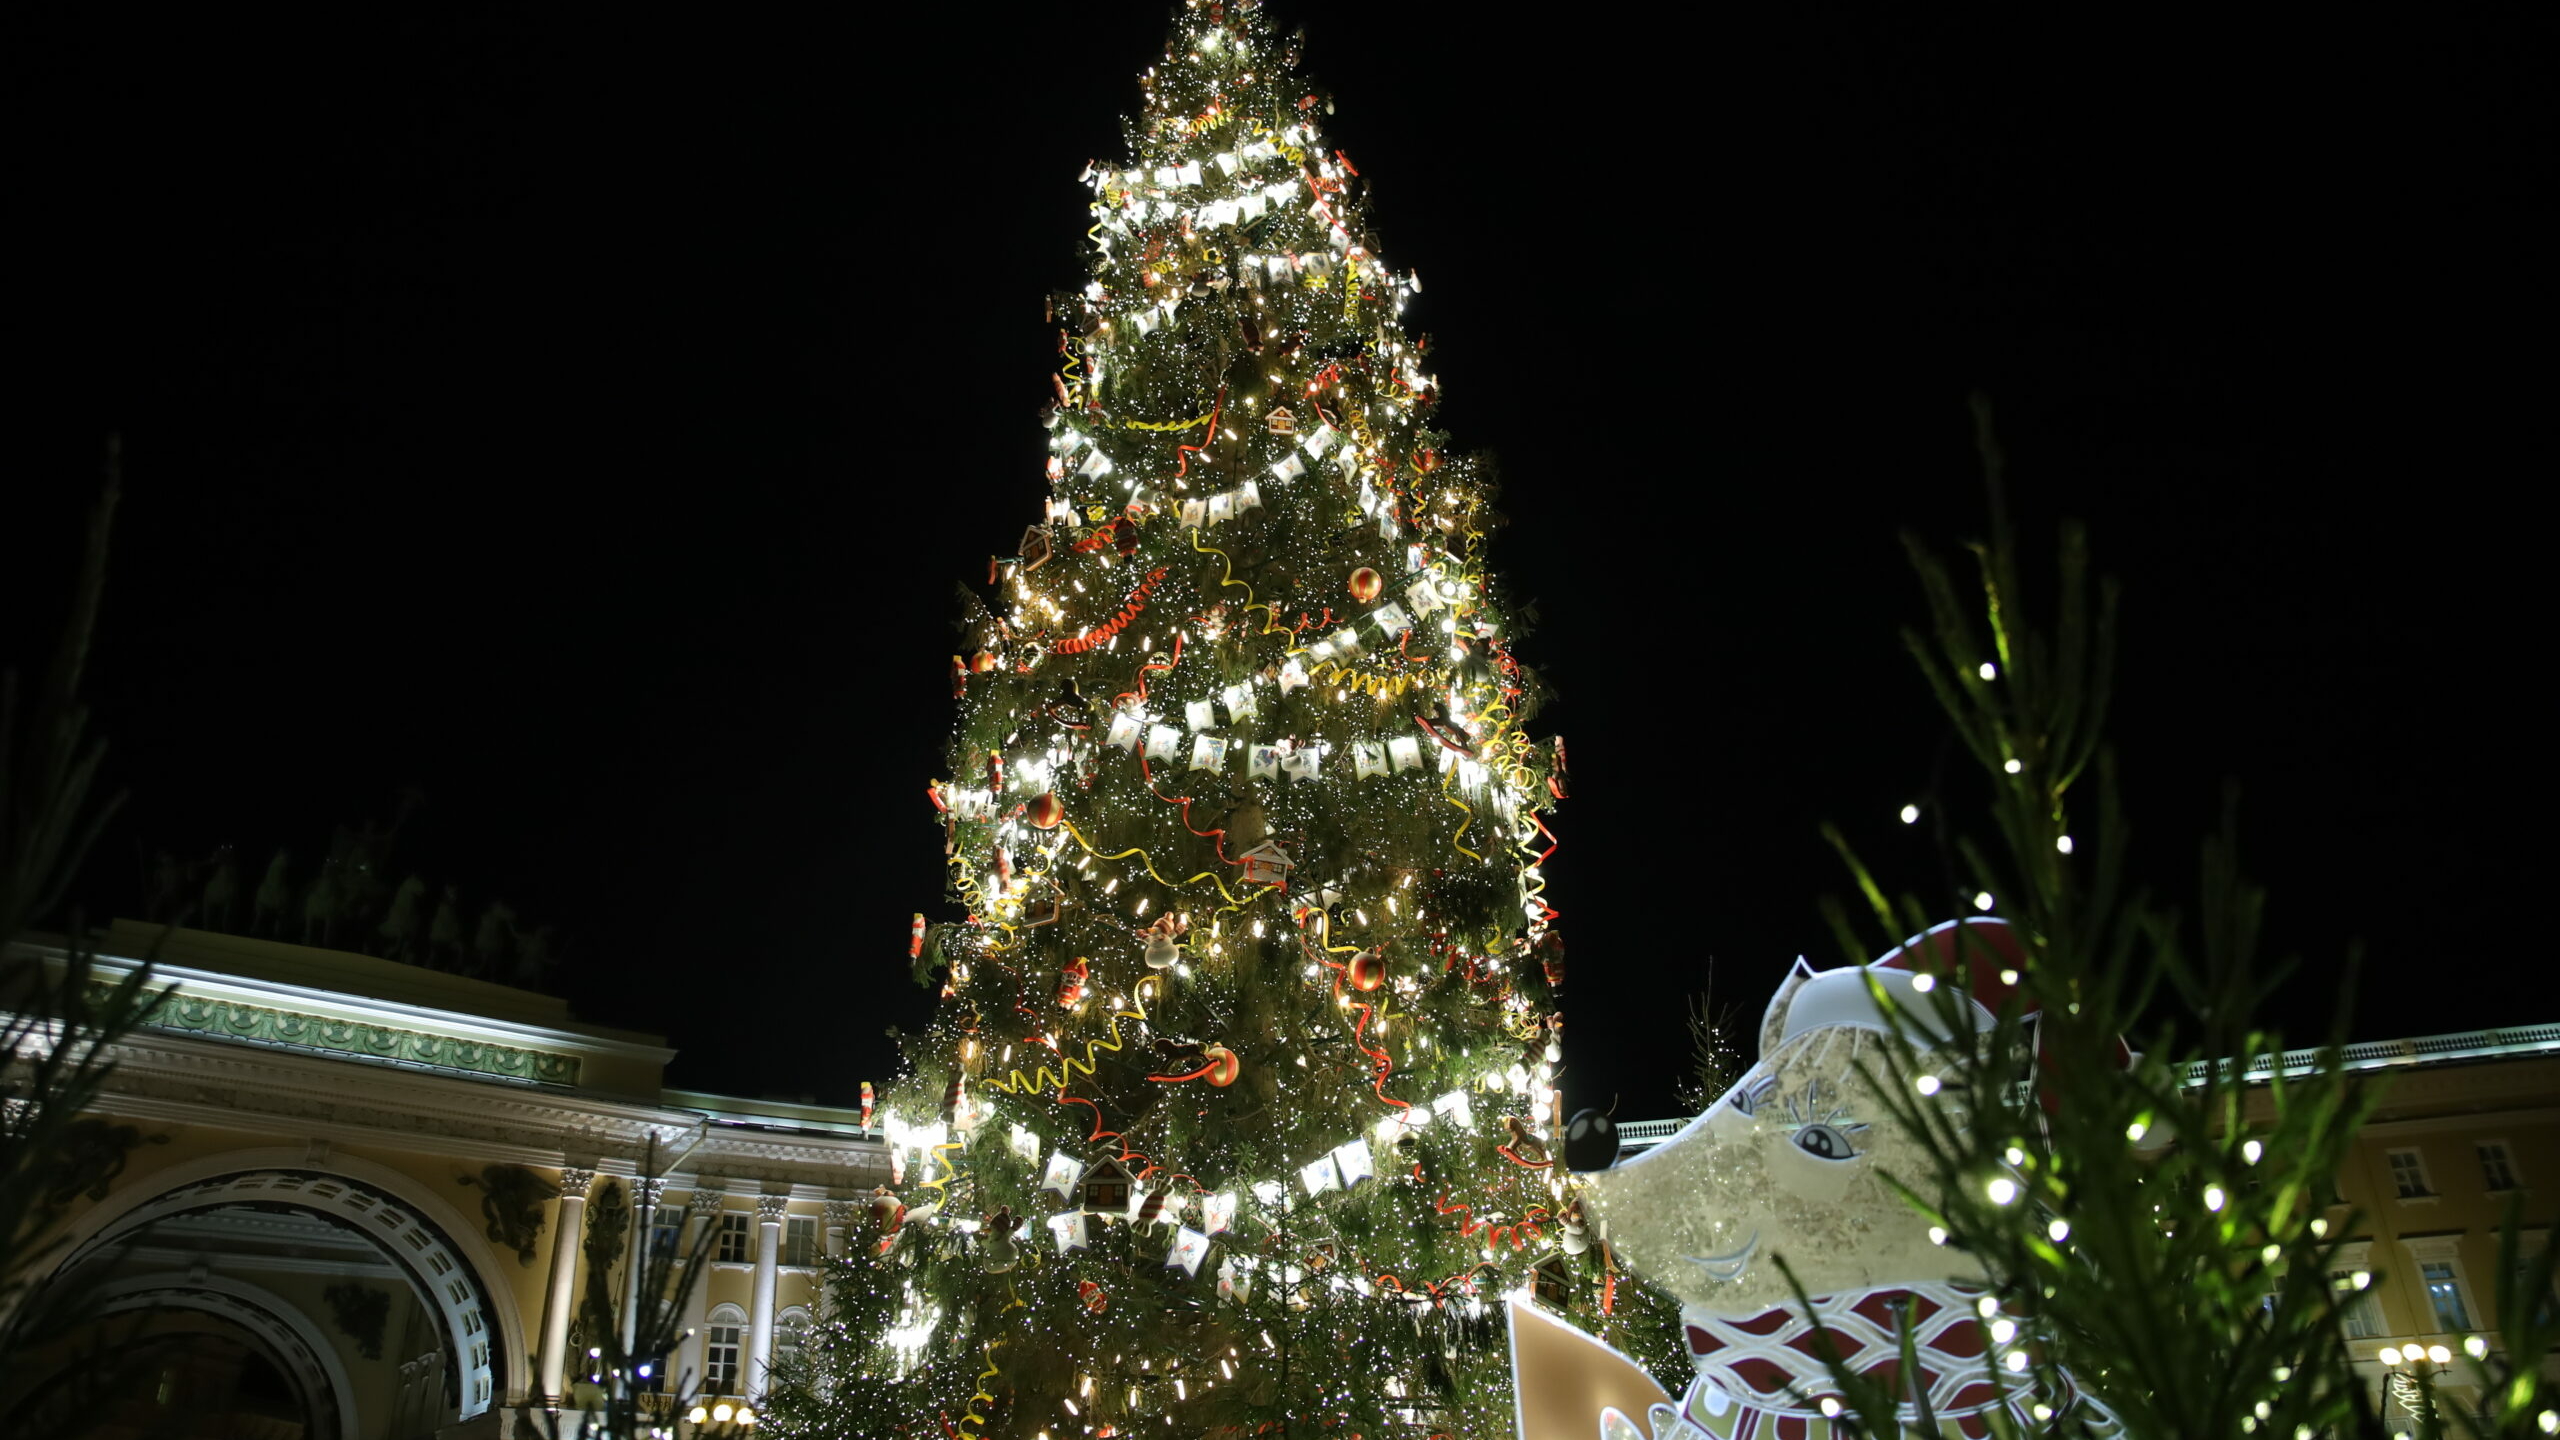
{"type": "Point", "coordinates": [353, 1197]}
{"type": "Point", "coordinates": [429, 1255]}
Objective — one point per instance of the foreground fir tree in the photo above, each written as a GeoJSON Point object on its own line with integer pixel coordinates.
{"type": "Point", "coordinates": [1236, 1116]}
{"type": "Point", "coordinates": [1951, 1201]}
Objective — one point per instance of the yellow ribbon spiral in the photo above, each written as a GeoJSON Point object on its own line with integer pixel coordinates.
{"type": "Point", "coordinates": [1043, 1078]}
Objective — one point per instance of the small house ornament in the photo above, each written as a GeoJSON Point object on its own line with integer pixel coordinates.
{"type": "Point", "coordinates": [1106, 1185]}
{"type": "Point", "coordinates": [1267, 864]}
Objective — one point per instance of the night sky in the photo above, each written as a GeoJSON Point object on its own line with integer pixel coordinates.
{"type": "Point", "coordinates": [585, 423]}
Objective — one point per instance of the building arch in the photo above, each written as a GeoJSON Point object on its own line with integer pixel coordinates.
{"type": "Point", "coordinates": [446, 1260]}
{"type": "Point", "coordinates": [307, 1356]}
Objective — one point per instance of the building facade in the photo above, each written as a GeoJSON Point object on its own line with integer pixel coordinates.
{"type": "Point", "coordinates": [353, 1199]}
{"type": "Point", "coordinates": [2463, 1128]}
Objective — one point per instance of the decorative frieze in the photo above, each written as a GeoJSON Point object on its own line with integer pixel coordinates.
{"type": "Point", "coordinates": [260, 1025]}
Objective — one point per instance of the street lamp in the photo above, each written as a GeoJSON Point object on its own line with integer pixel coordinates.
{"type": "Point", "coordinates": [2414, 1387]}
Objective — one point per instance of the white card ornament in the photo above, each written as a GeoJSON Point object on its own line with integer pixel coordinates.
{"type": "Point", "coordinates": [1406, 752]}
{"type": "Point", "coordinates": [1123, 734]}
{"type": "Point", "coordinates": [1209, 752]}
{"type": "Point", "coordinates": [1218, 1212]}
{"type": "Point", "coordinates": [1293, 676]}
{"type": "Point", "coordinates": [1240, 703]}
{"type": "Point", "coordinates": [1094, 464]}
{"type": "Point", "coordinates": [1200, 715]}
{"type": "Point", "coordinates": [1301, 761]}
{"type": "Point", "coordinates": [1392, 621]}
{"type": "Point", "coordinates": [1424, 595]}
{"type": "Point", "coordinates": [1319, 440]}
{"type": "Point", "coordinates": [1265, 762]}
{"type": "Point", "coordinates": [1189, 174]}
{"type": "Point", "coordinates": [1164, 742]}
{"type": "Point", "coordinates": [1317, 1175]}
{"type": "Point", "coordinates": [1289, 467]}
{"type": "Point", "coordinates": [1069, 1231]}
{"type": "Point", "coordinates": [1222, 506]}
{"type": "Point", "coordinates": [1355, 1162]}
{"type": "Point", "coordinates": [1368, 758]}
{"type": "Point", "coordinates": [1344, 642]}
{"type": "Point", "coordinates": [1190, 1247]}
{"type": "Point", "coordinates": [1248, 497]}
{"type": "Point", "coordinates": [1061, 1175]}
{"type": "Point", "coordinates": [1026, 1144]}
{"type": "Point", "coordinates": [1194, 512]}
{"type": "Point", "coordinates": [1231, 1286]}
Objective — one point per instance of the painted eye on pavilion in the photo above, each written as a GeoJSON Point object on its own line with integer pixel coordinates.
{"type": "Point", "coordinates": [1825, 1142]}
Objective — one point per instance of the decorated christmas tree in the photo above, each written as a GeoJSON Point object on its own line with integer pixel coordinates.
{"type": "Point", "coordinates": [1238, 1112]}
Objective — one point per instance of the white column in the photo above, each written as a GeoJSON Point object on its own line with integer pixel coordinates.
{"type": "Point", "coordinates": [701, 1211]}
{"type": "Point", "coordinates": [566, 1235]}
{"type": "Point", "coordinates": [769, 1210]}
{"type": "Point", "coordinates": [644, 1215]}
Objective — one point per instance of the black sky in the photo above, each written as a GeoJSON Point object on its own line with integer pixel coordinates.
{"type": "Point", "coordinates": [586, 422]}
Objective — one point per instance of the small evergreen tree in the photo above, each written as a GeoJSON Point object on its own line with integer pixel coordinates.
{"type": "Point", "coordinates": [2167, 1241]}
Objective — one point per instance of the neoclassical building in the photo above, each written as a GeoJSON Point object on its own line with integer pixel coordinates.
{"type": "Point", "coordinates": [362, 1200]}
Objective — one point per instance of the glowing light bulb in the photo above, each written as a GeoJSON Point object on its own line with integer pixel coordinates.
{"type": "Point", "coordinates": [1989, 671]}
{"type": "Point", "coordinates": [2002, 1189]}
{"type": "Point", "coordinates": [1982, 900]}
{"type": "Point", "coordinates": [1910, 814]}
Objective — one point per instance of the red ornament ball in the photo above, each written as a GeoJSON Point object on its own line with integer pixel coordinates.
{"type": "Point", "coordinates": [886, 1212]}
{"type": "Point", "coordinates": [1426, 460]}
{"type": "Point", "coordinates": [1224, 1066]}
{"type": "Point", "coordinates": [984, 662]}
{"type": "Point", "coordinates": [1365, 584]}
{"type": "Point", "coordinates": [1046, 811]}
{"type": "Point", "coordinates": [1367, 970]}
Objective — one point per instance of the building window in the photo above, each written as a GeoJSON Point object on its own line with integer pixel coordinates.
{"type": "Point", "coordinates": [800, 1240]}
{"type": "Point", "coordinates": [2497, 1167]}
{"type": "Point", "coordinates": [665, 1236]}
{"type": "Point", "coordinates": [720, 1360]}
{"type": "Point", "coordinates": [790, 1336]}
{"type": "Point", "coordinates": [733, 1236]}
{"type": "Point", "coordinates": [2409, 1174]}
{"type": "Point", "coordinates": [2358, 1316]}
{"type": "Point", "coordinates": [2444, 1292]}
{"type": "Point", "coordinates": [2546, 1307]}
